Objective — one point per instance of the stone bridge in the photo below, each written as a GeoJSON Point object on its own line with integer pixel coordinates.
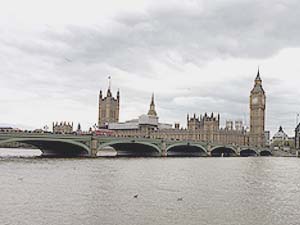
{"type": "Point", "coordinates": [91, 146]}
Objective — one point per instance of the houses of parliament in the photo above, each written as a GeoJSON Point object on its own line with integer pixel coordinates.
{"type": "Point", "coordinates": [203, 128]}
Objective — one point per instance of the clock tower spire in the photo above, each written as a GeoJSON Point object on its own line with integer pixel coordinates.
{"type": "Point", "coordinates": [257, 113]}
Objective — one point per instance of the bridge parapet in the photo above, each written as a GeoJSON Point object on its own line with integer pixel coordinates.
{"type": "Point", "coordinates": [145, 146]}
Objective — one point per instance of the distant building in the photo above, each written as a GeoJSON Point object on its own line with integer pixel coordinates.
{"type": "Point", "coordinates": [239, 125]}
{"type": "Point", "coordinates": [267, 138]}
{"type": "Point", "coordinates": [282, 141]}
{"type": "Point", "coordinates": [109, 108]}
{"type": "Point", "coordinates": [203, 122]}
{"type": "Point", "coordinates": [62, 128]}
{"type": "Point", "coordinates": [280, 136]}
{"type": "Point", "coordinates": [229, 125]}
{"type": "Point", "coordinates": [9, 130]}
{"type": "Point", "coordinates": [141, 127]}
{"type": "Point", "coordinates": [38, 131]}
{"type": "Point", "coordinates": [204, 128]}
{"type": "Point", "coordinates": [297, 137]}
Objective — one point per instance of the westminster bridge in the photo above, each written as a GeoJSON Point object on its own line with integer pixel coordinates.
{"type": "Point", "coordinates": [59, 145]}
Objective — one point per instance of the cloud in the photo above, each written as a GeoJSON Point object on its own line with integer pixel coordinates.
{"type": "Point", "coordinates": [180, 33]}
{"type": "Point", "coordinates": [195, 56]}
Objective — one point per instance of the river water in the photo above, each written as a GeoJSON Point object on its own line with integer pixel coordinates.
{"type": "Point", "coordinates": [258, 191]}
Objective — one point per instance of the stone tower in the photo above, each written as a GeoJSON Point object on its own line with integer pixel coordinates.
{"type": "Point", "coordinates": [257, 113]}
{"type": "Point", "coordinates": [109, 108]}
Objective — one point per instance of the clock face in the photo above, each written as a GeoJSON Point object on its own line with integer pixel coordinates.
{"type": "Point", "coordinates": [254, 100]}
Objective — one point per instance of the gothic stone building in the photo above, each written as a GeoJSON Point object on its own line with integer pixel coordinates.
{"type": "Point", "coordinates": [144, 126]}
{"type": "Point", "coordinates": [207, 128]}
{"type": "Point", "coordinates": [62, 128]}
{"type": "Point", "coordinates": [109, 108]}
{"type": "Point", "coordinates": [257, 113]}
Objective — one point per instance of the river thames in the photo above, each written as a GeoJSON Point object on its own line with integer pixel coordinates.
{"type": "Point", "coordinates": [136, 191]}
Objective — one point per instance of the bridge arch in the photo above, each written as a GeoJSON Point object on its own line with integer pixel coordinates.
{"type": "Point", "coordinates": [54, 147]}
{"type": "Point", "coordinates": [186, 149]}
{"type": "Point", "coordinates": [133, 148]}
{"type": "Point", "coordinates": [248, 152]}
{"type": "Point", "coordinates": [265, 152]}
{"type": "Point", "coordinates": [223, 151]}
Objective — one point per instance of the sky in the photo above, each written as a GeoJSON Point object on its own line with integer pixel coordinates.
{"type": "Point", "coordinates": [196, 56]}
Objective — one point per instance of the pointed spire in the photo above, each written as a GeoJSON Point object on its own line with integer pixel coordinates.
{"type": "Point", "coordinates": [258, 80]}
{"type": "Point", "coordinates": [258, 84]}
{"type": "Point", "coordinates": [258, 76]}
{"type": "Point", "coordinates": [152, 99]}
{"type": "Point", "coordinates": [118, 94]}
{"type": "Point", "coordinates": [109, 87]}
{"type": "Point", "coordinates": [152, 111]}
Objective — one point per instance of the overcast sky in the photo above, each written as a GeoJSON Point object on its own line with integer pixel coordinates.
{"type": "Point", "coordinates": [196, 56]}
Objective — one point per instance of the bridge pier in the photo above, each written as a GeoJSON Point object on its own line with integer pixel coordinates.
{"type": "Point", "coordinates": [209, 147]}
{"type": "Point", "coordinates": [238, 151]}
{"type": "Point", "coordinates": [164, 152]}
{"type": "Point", "coordinates": [94, 144]}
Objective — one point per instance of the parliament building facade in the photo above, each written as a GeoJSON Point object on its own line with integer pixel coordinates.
{"type": "Point", "coordinates": [203, 128]}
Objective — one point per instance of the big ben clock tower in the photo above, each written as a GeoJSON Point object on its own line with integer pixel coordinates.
{"type": "Point", "coordinates": [257, 113]}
